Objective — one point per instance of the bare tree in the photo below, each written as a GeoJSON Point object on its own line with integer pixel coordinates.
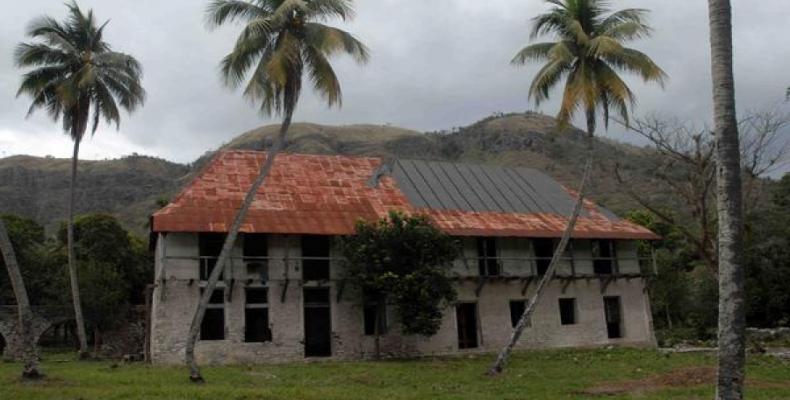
{"type": "Point", "coordinates": [30, 370]}
{"type": "Point", "coordinates": [732, 307]}
{"type": "Point", "coordinates": [687, 169]}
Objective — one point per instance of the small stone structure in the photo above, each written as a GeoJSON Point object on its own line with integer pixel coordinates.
{"type": "Point", "coordinates": [43, 318]}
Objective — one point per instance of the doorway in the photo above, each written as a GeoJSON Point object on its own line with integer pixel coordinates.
{"type": "Point", "coordinates": [466, 315]}
{"type": "Point", "coordinates": [317, 323]}
{"type": "Point", "coordinates": [614, 317]}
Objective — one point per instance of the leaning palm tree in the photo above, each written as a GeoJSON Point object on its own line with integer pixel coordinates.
{"type": "Point", "coordinates": [30, 354]}
{"type": "Point", "coordinates": [588, 54]}
{"type": "Point", "coordinates": [729, 202]}
{"type": "Point", "coordinates": [280, 42]}
{"type": "Point", "coordinates": [75, 73]}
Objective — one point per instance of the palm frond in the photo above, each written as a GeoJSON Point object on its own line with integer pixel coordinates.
{"type": "Point", "coordinates": [219, 12]}
{"type": "Point", "coordinates": [329, 41]}
{"type": "Point", "coordinates": [323, 76]}
{"type": "Point", "coordinates": [327, 9]}
{"type": "Point", "coordinates": [35, 54]}
{"type": "Point", "coordinates": [635, 61]}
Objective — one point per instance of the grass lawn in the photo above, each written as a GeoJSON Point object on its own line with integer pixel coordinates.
{"type": "Point", "coordinates": [555, 374]}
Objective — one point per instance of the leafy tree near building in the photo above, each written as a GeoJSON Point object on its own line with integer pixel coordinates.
{"type": "Point", "coordinates": [404, 261]}
{"type": "Point", "coordinates": [115, 269]}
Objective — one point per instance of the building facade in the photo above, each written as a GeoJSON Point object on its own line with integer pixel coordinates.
{"type": "Point", "coordinates": [283, 296]}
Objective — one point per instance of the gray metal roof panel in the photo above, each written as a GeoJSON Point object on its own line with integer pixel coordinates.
{"type": "Point", "coordinates": [469, 187]}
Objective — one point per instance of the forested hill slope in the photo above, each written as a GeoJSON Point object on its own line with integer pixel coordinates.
{"type": "Point", "coordinates": [130, 187]}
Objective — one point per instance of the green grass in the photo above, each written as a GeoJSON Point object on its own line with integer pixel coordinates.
{"type": "Point", "coordinates": [562, 374]}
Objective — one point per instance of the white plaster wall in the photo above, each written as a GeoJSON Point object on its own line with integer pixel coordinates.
{"type": "Point", "coordinates": [175, 302]}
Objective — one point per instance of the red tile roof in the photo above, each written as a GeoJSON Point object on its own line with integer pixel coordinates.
{"type": "Point", "coordinates": [315, 194]}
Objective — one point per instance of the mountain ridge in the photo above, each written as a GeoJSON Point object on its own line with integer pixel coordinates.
{"type": "Point", "coordinates": [132, 187]}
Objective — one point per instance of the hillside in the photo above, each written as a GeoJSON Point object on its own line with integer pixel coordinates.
{"type": "Point", "coordinates": [130, 187]}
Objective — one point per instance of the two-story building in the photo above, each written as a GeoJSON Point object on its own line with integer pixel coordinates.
{"type": "Point", "coordinates": [283, 297]}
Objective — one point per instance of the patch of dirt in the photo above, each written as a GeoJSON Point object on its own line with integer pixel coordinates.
{"type": "Point", "coordinates": [685, 377]}
{"type": "Point", "coordinates": [680, 378]}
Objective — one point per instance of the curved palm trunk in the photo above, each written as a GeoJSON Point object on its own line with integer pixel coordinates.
{"type": "Point", "coordinates": [73, 275]}
{"type": "Point", "coordinates": [732, 313]}
{"type": "Point", "coordinates": [224, 255]}
{"type": "Point", "coordinates": [30, 370]}
{"type": "Point", "coordinates": [503, 356]}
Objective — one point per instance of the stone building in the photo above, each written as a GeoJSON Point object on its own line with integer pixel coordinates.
{"type": "Point", "coordinates": [284, 298]}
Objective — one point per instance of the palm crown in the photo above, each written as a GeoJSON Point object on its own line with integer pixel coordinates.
{"type": "Point", "coordinates": [75, 70]}
{"type": "Point", "coordinates": [281, 40]}
{"type": "Point", "coordinates": [588, 54]}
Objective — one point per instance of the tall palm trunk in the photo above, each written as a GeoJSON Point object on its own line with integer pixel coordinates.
{"type": "Point", "coordinates": [227, 247]}
{"type": "Point", "coordinates": [30, 354]}
{"type": "Point", "coordinates": [732, 315]}
{"type": "Point", "coordinates": [73, 275]}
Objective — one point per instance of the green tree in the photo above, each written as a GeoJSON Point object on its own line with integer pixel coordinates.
{"type": "Point", "coordinates": [729, 201]}
{"type": "Point", "coordinates": [75, 72]}
{"type": "Point", "coordinates": [281, 41]}
{"type": "Point", "coordinates": [40, 273]}
{"type": "Point", "coordinates": [588, 54]}
{"type": "Point", "coordinates": [405, 261]}
{"type": "Point", "coordinates": [115, 270]}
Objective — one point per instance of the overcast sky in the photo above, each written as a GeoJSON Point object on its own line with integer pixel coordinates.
{"type": "Point", "coordinates": [435, 64]}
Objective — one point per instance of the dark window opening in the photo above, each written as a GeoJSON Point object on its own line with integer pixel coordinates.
{"type": "Point", "coordinates": [517, 308]}
{"type": "Point", "coordinates": [603, 253]}
{"type": "Point", "coordinates": [613, 310]}
{"type": "Point", "coordinates": [209, 247]}
{"type": "Point", "coordinates": [466, 316]}
{"type": "Point", "coordinates": [316, 297]}
{"type": "Point", "coordinates": [317, 323]}
{"type": "Point", "coordinates": [315, 254]}
{"type": "Point", "coordinates": [256, 251]}
{"type": "Point", "coordinates": [217, 297]}
{"type": "Point", "coordinates": [544, 251]}
{"type": "Point", "coordinates": [487, 262]}
{"type": "Point", "coordinates": [213, 325]}
{"type": "Point", "coordinates": [371, 312]}
{"type": "Point", "coordinates": [256, 316]}
{"type": "Point", "coordinates": [568, 311]}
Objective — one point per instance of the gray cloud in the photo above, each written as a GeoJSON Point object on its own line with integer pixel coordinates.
{"type": "Point", "coordinates": [435, 64]}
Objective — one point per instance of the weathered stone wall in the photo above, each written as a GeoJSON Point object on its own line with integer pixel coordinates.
{"type": "Point", "coordinates": [175, 300]}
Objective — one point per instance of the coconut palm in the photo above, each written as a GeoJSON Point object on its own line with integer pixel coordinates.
{"type": "Point", "coordinates": [280, 42]}
{"type": "Point", "coordinates": [75, 73]}
{"type": "Point", "coordinates": [588, 55]}
{"type": "Point", "coordinates": [729, 202]}
{"type": "Point", "coordinates": [30, 370]}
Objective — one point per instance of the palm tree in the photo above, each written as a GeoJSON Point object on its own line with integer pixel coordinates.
{"type": "Point", "coordinates": [588, 54]}
{"type": "Point", "coordinates": [732, 307]}
{"type": "Point", "coordinates": [30, 370]}
{"type": "Point", "coordinates": [280, 42]}
{"type": "Point", "coordinates": [75, 72]}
